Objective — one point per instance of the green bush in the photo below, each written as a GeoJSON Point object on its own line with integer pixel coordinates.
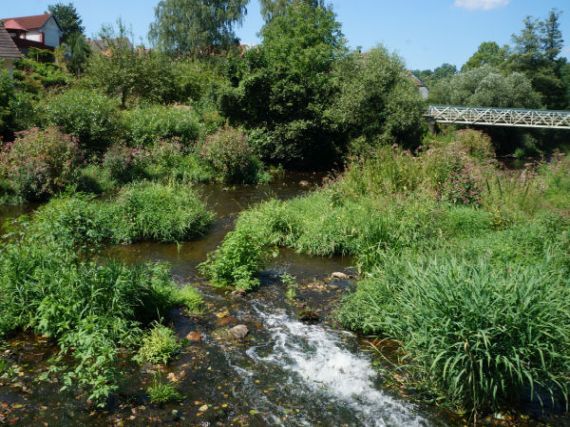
{"type": "Point", "coordinates": [140, 211]}
{"type": "Point", "coordinates": [146, 126]}
{"type": "Point", "coordinates": [39, 163]}
{"type": "Point", "coordinates": [91, 310]}
{"type": "Point", "coordinates": [230, 156]}
{"type": "Point", "coordinates": [95, 179]}
{"type": "Point", "coordinates": [124, 164]}
{"type": "Point", "coordinates": [88, 115]}
{"type": "Point", "coordinates": [167, 161]}
{"type": "Point", "coordinates": [166, 213]}
{"type": "Point", "coordinates": [159, 345]}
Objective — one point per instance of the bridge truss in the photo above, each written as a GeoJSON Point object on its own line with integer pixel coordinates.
{"type": "Point", "coordinates": [500, 117]}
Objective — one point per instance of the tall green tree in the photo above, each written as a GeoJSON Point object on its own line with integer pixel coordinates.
{"type": "Point", "coordinates": [528, 44]}
{"type": "Point", "coordinates": [272, 8]}
{"type": "Point", "coordinates": [77, 52]}
{"type": "Point", "coordinates": [288, 85]}
{"type": "Point", "coordinates": [488, 53]}
{"type": "Point", "coordinates": [551, 35]}
{"type": "Point", "coordinates": [196, 27]}
{"type": "Point", "coordinates": [68, 19]}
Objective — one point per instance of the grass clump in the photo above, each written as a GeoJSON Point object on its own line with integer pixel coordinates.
{"type": "Point", "coordinates": [190, 298]}
{"type": "Point", "coordinates": [140, 211]}
{"type": "Point", "coordinates": [483, 336]}
{"type": "Point", "coordinates": [159, 345]}
{"type": "Point", "coordinates": [161, 393]}
{"type": "Point", "coordinates": [152, 211]}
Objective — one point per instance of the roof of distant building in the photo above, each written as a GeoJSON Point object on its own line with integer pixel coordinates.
{"type": "Point", "coordinates": [8, 49]}
{"type": "Point", "coordinates": [29, 23]}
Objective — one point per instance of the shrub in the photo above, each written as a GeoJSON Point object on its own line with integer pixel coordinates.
{"type": "Point", "coordinates": [91, 310]}
{"type": "Point", "coordinates": [86, 114]}
{"type": "Point", "coordinates": [151, 211]}
{"type": "Point", "coordinates": [158, 346]}
{"type": "Point", "coordinates": [95, 179]}
{"type": "Point", "coordinates": [146, 126]}
{"type": "Point", "coordinates": [166, 161]}
{"type": "Point", "coordinates": [235, 263]}
{"type": "Point", "coordinates": [40, 163]}
{"type": "Point", "coordinates": [76, 222]}
{"type": "Point", "coordinates": [228, 153]}
{"type": "Point", "coordinates": [124, 164]}
{"type": "Point", "coordinates": [142, 211]}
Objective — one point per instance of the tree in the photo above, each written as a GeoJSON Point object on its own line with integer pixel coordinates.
{"type": "Point", "coordinates": [126, 71]}
{"type": "Point", "coordinates": [551, 36]}
{"type": "Point", "coordinates": [488, 53]}
{"type": "Point", "coordinates": [528, 44]}
{"type": "Point", "coordinates": [196, 27]}
{"type": "Point", "coordinates": [77, 52]}
{"type": "Point", "coordinates": [288, 85]}
{"type": "Point", "coordinates": [487, 87]}
{"type": "Point", "coordinates": [68, 19]}
{"type": "Point", "coordinates": [377, 99]}
{"type": "Point", "coordinates": [272, 8]}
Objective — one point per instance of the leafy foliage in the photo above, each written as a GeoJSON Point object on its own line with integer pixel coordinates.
{"type": "Point", "coordinates": [228, 153]}
{"type": "Point", "coordinates": [91, 309]}
{"type": "Point", "coordinates": [146, 126]}
{"type": "Point", "coordinates": [40, 163]}
{"type": "Point", "coordinates": [87, 115]}
{"type": "Point", "coordinates": [196, 28]}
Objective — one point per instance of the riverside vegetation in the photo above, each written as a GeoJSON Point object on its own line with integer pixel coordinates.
{"type": "Point", "coordinates": [464, 264]}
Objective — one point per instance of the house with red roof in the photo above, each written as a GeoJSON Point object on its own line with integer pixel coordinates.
{"type": "Point", "coordinates": [39, 31]}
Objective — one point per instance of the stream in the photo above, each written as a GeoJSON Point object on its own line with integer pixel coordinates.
{"type": "Point", "coordinates": [285, 372]}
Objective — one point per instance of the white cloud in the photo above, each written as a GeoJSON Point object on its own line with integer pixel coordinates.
{"type": "Point", "coordinates": [481, 4]}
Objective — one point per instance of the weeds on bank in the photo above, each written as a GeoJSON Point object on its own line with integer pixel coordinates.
{"type": "Point", "coordinates": [467, 265]}
{"type": "Point", "coordinates": [159, 345]}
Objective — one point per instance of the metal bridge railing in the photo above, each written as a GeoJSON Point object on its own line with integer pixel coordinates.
{"type": "Point", "coordinates": [500, 117]}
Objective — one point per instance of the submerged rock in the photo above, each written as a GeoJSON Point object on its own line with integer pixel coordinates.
{"type": "Point", "coordinates": [340, 276]}
{"type": "Point", "coordinates": [309, 316]}
{"type": "Point", "coordinates": [239, 332]}
{"type": "Point", "coordinates": [194, 336]}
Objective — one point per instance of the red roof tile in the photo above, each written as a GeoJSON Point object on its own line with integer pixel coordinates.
{"type": "Point", "coordinates": [31, 22]}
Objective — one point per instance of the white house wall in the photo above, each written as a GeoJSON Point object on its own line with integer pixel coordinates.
{"type": "Point", "coordinates": [34, 36]}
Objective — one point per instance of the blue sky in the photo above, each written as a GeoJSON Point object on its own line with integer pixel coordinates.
{"type": "Point", "coordinates": [426, 33]}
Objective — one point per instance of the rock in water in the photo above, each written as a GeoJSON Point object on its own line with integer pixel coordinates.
{"type": "Point", "coordinates": [340, 276]}
{"type": "Point", "coordinates": [194, 336]}
{"type": "Point", "coordinates": [239, 332]}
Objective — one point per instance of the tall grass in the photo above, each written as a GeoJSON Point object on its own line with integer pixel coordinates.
{"type": "Point", "coordinates": [140, 211]}
{"type": "Point", "coordinates": [483, 335]}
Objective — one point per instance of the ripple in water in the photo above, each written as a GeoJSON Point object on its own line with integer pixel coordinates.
{"type": "Point", "coordinates": [317, 359]}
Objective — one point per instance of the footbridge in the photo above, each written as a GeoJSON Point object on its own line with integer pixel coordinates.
{"type": "Point", "coordinates": [509, 117]}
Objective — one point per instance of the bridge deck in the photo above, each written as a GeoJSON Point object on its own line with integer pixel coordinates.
{"type": "Point", "coordinates": [500, 117]}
